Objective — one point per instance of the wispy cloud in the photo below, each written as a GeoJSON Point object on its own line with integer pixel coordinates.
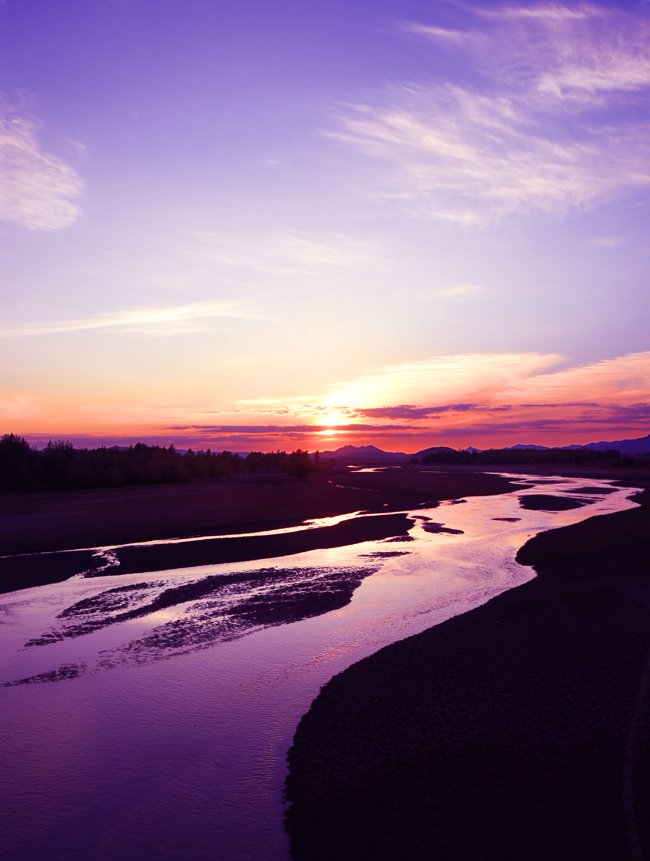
{"type": "Point", "coordinates": [615, 381]}
{"type": "Point", "coordinates": [544, 130]}
{"type": "Point", "coordinates": [151, 321]}
{"type": "Point", "coordinates": [544, 11]}
{"type": "Point", "coordinates": [37, 189]}
{"type": "Point", "coordinates": [463, 291]}
{"type": "Point", "coordinates": [457, 37]}
{"type": "Point", "coordinates": [281, 251]}
{"type": "Point", "coordinates": [608, 241]}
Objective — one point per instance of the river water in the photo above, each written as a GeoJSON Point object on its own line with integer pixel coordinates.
{"type": "Point", "coordinates": [148, 716]}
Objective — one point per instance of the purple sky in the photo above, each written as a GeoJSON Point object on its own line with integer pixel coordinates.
{"type": "Point", "coordinates": [276, 224]}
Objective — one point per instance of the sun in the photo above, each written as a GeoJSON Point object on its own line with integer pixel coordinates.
{"type": "Point", "coordinates": [332, 433]}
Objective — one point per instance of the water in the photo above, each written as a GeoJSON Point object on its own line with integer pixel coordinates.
{"type": "Point", "coordinates": [137, 726]}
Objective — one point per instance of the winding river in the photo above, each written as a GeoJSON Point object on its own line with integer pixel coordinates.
{"type": "Point", "coordinates": [148, 716]}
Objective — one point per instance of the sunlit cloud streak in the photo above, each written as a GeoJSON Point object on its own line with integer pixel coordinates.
{"type": "Point", "coordinates": [499, 381]}
{"type": "Point", "coordinates": [287, 429]}
{"type": "Point", "coordinates": [546, 132]}
{"type": "Point", "coordinates": [600, 420]}
{"type": "Point", "coordinates": [152, 321]}
{"type": "Point", "coordinates": [625, 378]}
{"type": "Point", "coordinates": [407, 411]}
{"type": "Point", "coordinates": [440, 380]}
{"type": "Point", "coordinates": [509, 393]}
{"type": "Point", "coordinates": [37, 189]}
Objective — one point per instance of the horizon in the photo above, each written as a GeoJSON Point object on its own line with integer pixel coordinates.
{"type": "Point", "coordinates": [270, 227]}
{"type": "Point", "coordinates": [98, 443]}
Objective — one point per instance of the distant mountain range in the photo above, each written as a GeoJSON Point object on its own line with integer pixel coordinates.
{"type": "Point", "coordinates": [372, 454]}
{"type": "Point", "coordinates": [625, 446]}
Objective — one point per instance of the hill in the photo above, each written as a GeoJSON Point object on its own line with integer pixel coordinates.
{"type": "Point", "coordinates": [365, 454]}
{"type": "Point", "coordinates": [625, 446]}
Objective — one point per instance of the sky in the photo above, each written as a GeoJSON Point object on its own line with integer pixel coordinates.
{"type": "Point", "coordinates": [256, 225]}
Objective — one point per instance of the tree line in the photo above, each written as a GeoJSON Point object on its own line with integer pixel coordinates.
{"type": "Point", "coordinates": [528, 456]}
{"type": "Point", "coordinates": [61, 466]}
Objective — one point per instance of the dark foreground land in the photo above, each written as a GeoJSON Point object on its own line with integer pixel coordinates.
{"type": "Point", "coordinates": [44, 523]}
{"type": "Point", "coordinates": [520, 730]}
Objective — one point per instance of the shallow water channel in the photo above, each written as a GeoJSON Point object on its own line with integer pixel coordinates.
{"type": "Point", "coordinates": [148, 716]}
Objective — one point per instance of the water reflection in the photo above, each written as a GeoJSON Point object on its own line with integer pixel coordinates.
{"type": "Point", "coordinates": [149, 715]}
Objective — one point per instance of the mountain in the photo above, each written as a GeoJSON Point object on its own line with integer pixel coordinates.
{"type": "Point", "coordinates": [364, 454]}
{"type": "Point", "coordinates": [625, 446]}
{"type": "Point", "coordinates": [372, 454]}
{"type": "Point", "coordinates": [433, 450]}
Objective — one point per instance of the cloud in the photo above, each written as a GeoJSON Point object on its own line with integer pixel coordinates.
{"type": "Point", "coordinates": [572, 52]}
{"type": "Point", "coordinates": [282, 251]}
{"type": "Point", "coordinates": [545, 129]}
{"type": "Point", "coordinates": [448, 396]}
{"type": "Point", "coordinates": [407, 411]}
{"type": "Point", "coordinates": [287, 430]}
{"type": "Point", "coordinates": [463, 291]}
{"type": "Point", "coordinates": [439, 380]}
{"type": "Point", "coordinates": [600, 418]}
{"type": "Point", "coordinates": [458, 37]}
{"type": "Point", "coordinates": [495, 381]}
{"type": "Point", "coordinates": [545, 11]}
{"type": "Point", "coordinates": [152, 321]}
{"type": "Point", "coordinates": [37, 189]}
{"type": "Point", "coordinates": [474, 392]}
{"type": "Point", "coordinates": [608, 241]}
{"type": "Point", "coordinates": [625, 378]}
{"type": "Point", "coordinates": [440, 400]}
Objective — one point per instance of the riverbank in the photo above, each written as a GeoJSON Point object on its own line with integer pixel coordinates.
{"type": "Point", "coordinates": [46, 523]}
{"type": "Point", "coordinates": [518, 730]}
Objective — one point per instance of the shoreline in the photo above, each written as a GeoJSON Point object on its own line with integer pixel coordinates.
{"type": "Point", "coordinates": [461, 800]}
{"type": "Point", "coordinates": [25, 571]}
{"type": "Point", "coordinates": [79, 519]}
{"type": "Point", "coordinates": [36, 528]}
{"type": "Point", "coordinates": [517, 730]}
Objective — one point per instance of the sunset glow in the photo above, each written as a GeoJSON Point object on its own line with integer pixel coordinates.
{"type": "Point", "coordinates": [265, 227]}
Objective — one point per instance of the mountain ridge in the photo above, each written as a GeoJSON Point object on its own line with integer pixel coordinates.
{"type": "Point", "coordinates": [370, 453]}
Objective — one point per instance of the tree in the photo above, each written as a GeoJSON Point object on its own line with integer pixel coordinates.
{"type": "Point", "coordinates": [298, 465]}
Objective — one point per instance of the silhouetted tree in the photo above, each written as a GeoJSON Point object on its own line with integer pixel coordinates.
{"type": "Point", "coordinates": [299, 465]}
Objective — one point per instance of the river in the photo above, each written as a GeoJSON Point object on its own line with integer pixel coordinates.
{"type": "Point", "coordinates": [148, 716]}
